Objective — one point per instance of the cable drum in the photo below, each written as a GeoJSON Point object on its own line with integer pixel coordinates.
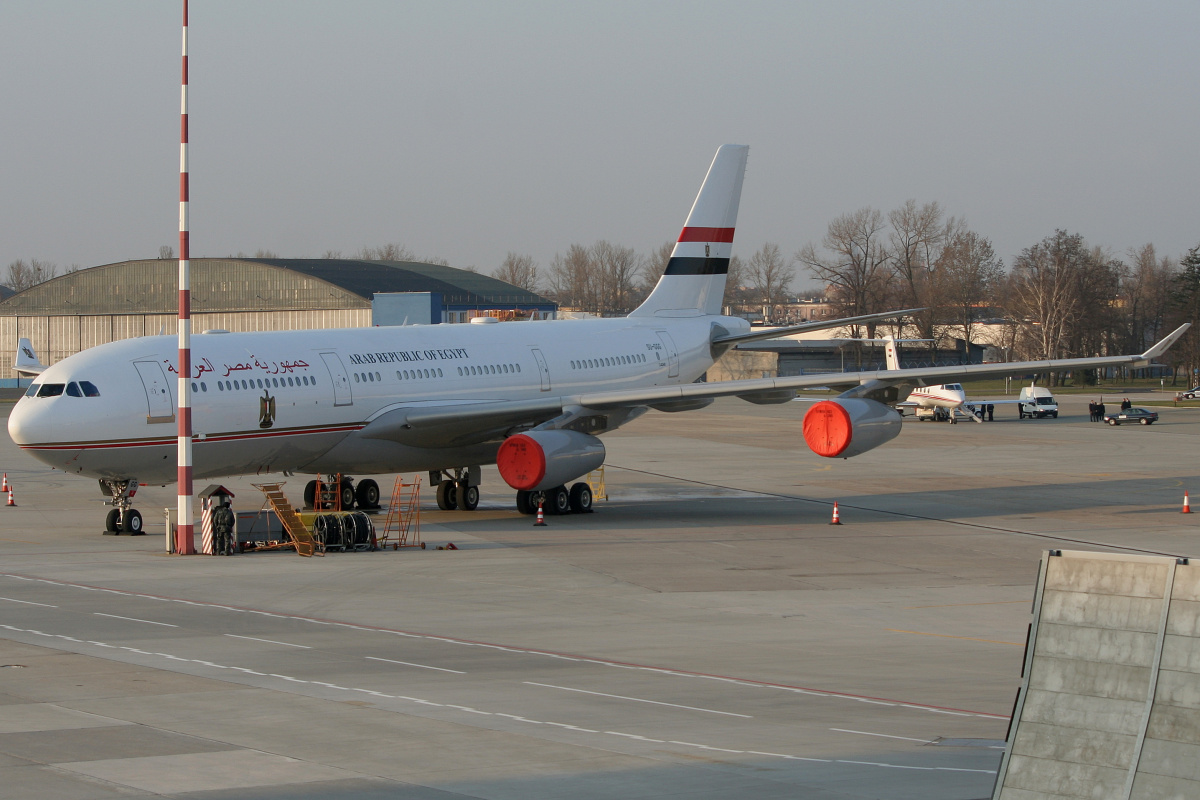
{"type": "Point", "coordinates": [329, 531]}
{"type": "Point", "coordinates": [364, 531]}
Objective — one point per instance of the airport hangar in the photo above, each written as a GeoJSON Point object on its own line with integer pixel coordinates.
{"type": "Point", "coordinates": [102, 304]}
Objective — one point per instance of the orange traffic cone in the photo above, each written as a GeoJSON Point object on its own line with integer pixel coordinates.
{"type": "Point", "coordinates": [837, 520]}
{"type": "Point", "coordinates": [11, 502]}
{"type": "Point", "coordinates": [4, 486]}
{"type": "Point", "coordinates": [1187, 508]}
{"type": "Point", "coordinates": [541, 519]}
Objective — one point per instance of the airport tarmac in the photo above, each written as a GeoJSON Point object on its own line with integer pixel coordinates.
{"type": "Point", "coordinates": [705, 634]}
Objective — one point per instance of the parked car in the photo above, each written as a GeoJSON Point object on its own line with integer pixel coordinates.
{"type": "Point", "coordinates": [1132, 415]}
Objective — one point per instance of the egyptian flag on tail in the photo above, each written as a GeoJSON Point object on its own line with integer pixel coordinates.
{"type": "Point", "coordinates": [694, 281]}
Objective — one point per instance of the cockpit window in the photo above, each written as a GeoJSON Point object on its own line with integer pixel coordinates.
{"type": "Point", "coordinates": [73, 390]}
{"type": "Point", "coordinates": [51, 390]}
{"type": "Point", "coordinates": [32, 390]}
{"type": "Point", "coordinates": [89, 389]}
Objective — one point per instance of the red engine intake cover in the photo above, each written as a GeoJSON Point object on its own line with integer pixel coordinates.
{"type": "Point", "coordinates": [522, 462]}
{"type": "Point", "coordinates": [828, 429]}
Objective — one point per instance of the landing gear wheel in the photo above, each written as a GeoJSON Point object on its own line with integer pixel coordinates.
{"type": "Point", "coordinates": [523, 505]}
{"type": "Point", "coordinates": [467, 497]}
{"type": "Point", "coordinates": [558, 501]}
{"type": "Point", "coordinates": [310, 494]}
{"type": "Point", "coordinates": [347, 491]}
{"type": "Point", "coordinates": [131, 522]}
{"type": "Point", "coordinates": [367, 494]}
{"type": "Point", "coordinates": [112, 523]}
{"type": "Point", "coordinates": [581, 499]}
{"type": "Point", "coordinates": [445, 496]}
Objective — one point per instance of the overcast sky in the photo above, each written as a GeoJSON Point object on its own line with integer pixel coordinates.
{"type": "Point", "coordinates": [465, 130]}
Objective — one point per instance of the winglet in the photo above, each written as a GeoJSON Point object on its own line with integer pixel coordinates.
{"type": "Point", "coordinates": [1165, 345]}
{"type": "Point", "coordinates": [27, 363]}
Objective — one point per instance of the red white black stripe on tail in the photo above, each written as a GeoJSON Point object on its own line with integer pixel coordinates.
{"type": "Point", "coordinates": [694, 281]}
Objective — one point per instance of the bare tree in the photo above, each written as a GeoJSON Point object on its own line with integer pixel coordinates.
{"type": "Point", "coordinates": [770, 276]}
{"type": "Point", "coordinates": [735, 283]}
{"type": "Point", "coordinates": [387, 252]}
{"type": "Point", "coordinates": [918, 236]}
{"type": "Point", "coordinates": [968, 275]}
{"type": "Point", "coordinates": [166, 252]}
{"type": "Point", "coordinates": [571, 280]}
{"type": "Point", "coordinates": [23, 275]}
{"type": "Point", "coordinates": [332, 254]}
{"type": "Point", "coordinates": [856, 272]}
{"type": "Point", "coordinates": [261, 253]}
{"type": "Point", "coordinates": [617, 269]}
{"type": "Point", "coordinates": [519, 270]}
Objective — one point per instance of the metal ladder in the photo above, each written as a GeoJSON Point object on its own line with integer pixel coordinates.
{"type": "Point", "coordinates": [302, 539]}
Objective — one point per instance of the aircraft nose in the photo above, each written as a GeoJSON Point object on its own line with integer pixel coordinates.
{"type": "Point", "coordinates": [21, 424]}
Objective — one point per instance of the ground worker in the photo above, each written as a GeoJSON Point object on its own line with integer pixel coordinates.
{"type": "Point", "coordinates": [223, 524]}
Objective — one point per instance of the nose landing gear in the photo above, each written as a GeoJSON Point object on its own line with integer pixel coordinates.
{"type": "Point", "coordinates": [123, 518]}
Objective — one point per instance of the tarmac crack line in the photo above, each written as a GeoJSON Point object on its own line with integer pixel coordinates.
{"type": "Point", "coordinates": [469, 710]}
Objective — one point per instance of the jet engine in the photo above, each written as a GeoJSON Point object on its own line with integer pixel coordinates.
{"type": "Point", "coordinates": [540, 460]}
{"type": "Point", "coordinates": [847, 427]}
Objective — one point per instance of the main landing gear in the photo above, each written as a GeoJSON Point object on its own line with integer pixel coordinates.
{"type": "Point", "coordinates": [458, 488]}
{"type": "Point", "coordinates": [123, 518]}
{"type": "Point", "coordinates": [559, 500]}
{"type": "Point", "coordinates": [340, 490]}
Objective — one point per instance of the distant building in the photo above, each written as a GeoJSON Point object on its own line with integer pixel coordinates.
{"type": "Point", "coordinates": [93, 306]}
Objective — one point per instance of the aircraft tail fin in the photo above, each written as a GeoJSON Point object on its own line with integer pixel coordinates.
{"type": "Point", "coordinates": [694, 281]}
{"type": "Point", "coordinates": [27, 364]}
{"type": "Point", "coordinates": [890, 354]}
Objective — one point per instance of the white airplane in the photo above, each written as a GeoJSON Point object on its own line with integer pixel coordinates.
{"type": "Point", "coordinates": [530, 397]}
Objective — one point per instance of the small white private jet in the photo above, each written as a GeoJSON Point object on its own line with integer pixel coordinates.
{"type": "Point", "coordinates": [530, 397]}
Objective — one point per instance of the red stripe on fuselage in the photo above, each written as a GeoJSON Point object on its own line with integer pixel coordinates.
{"type": "Point", "coordinates": [706, 235]}
{"type": "Point", "coordinates": [221, 437]}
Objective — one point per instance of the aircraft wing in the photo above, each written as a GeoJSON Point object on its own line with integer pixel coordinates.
{"type": "Point", "coordinates": [775, 333]}
{"type": "Point", "coordinates": [479, 422]}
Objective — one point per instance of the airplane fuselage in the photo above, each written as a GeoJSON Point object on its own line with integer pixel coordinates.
{"type": "Point", "coordinates": [295, 401]}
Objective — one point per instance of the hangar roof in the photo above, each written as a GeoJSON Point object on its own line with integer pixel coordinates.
{"type": "Point", "coordinates": [257, 284]}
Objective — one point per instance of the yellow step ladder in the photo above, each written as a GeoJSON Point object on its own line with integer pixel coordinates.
{"type": "Point", "coordinates": [301, 537]}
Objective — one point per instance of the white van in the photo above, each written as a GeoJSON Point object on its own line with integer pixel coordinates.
{"type": "Point", "coordinates": [1036, 401]}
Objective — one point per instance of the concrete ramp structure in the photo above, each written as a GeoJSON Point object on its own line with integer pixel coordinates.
{"type": "Point", "coordinates": [1110, 705]}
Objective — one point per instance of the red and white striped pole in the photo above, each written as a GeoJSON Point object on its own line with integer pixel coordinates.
{"type": "Point", "coordinates": [184, 543]}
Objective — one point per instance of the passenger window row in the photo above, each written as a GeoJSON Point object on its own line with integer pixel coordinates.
{"type": "Point", "coordinates": [609, 361]}
{"type": "Point", "coordinates": [490, 369]}
{"type": "Point", "coordinates": [72, 389]}
{"type": "Point", "coordinates": [258, 383]}
{"type": "Point", "coordinates": [413, 374]}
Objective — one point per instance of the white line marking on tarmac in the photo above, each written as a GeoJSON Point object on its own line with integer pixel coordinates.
{"type": "Point", "coordinates": [884, 735]}
{"type": "Point", "coordinates": [639, 700]}
{"type": "Point", "coordinates": [27, 602]}
{"type": "Point", "coordinates": [464, 643]}
{"type": "Point", "coordinates": [411, 664]}
{"type": "Point", "coordinates": [268, 641]}
{"type": "Point", "coordinates": [513, 717]}
{"type": "Point", "coordinates": [135, 619]}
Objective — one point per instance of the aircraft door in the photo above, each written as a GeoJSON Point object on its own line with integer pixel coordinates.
{"type": "Point", "coordinates": [342, 396]}
{"type": "Point", "coordinates": [159, 407]}
{"type": "Point", "coordinates": [543, 370]}
{"type": "Point", "coordinates": [672, 354]}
